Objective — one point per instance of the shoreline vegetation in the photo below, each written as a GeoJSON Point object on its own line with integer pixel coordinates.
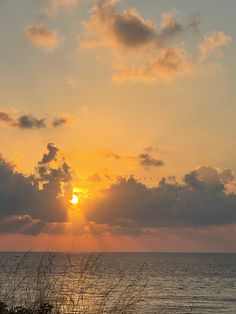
{"type": "Point", "coordinates": [65, 285]}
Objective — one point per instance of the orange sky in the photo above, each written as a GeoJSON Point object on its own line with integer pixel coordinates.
{"type": "Point", "coordinates": [103, 99]}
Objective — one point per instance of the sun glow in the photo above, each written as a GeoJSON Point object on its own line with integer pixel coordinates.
{"type": "Point", "coordinates": [74, 200]}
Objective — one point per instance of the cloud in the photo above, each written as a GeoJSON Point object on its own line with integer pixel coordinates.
{"type": "Point", "coordinates": [37, 199]}
{"type": "Point", "coordinates": [147, 161]}
{"type": "Point", "coordinates": [28, 121]}
{"type": "Point", "coordinates": [109, 27]}
{"type": "Point", "coordinates": [43, 38]}
{"type": "Point", "coordinates": [169, 24]}
{"type": "Point", "coordinates": [50, 155]}
{"type": "Point", "coordinates": [21, 224]}
{"type": "Point", "coordinates": [212, 42]}
{"type": "Point", "coordinates": [141, 50]}
{"type": "Point", "coordinates": [5, 117]}
{"type": "Point", "coordinates": [38, 203]}
{"type": "Point", "coordinates": [131, 30]}
{"type": "Point", "coordinates": [24, 121]}
{"type": "Point", "coordinates": [201, 200]}
{"type": "Point", "coordinates": [170, 63]}
{"type": "Point", "coordinates": [109, 154]}
{"type": "Point", "coordinates": [62, 120]}
{"type": "Point", "coordinates": [25, 224]}
{"type": "Point", "coordinates": [144, 159]}
{"type": "Point", "coordinates": [59, 121]}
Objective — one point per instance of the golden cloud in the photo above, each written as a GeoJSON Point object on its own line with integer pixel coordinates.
{"type": "Point", "coordinates": [40, 37]}
{"type": "Point", "coordinates": [212, 42]}
{"type": "Point", "coordinates": [142, 51]}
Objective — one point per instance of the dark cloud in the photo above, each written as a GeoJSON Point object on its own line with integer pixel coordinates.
{"type": "Point", "coordinates": [28, 121]}
{"type": "Point", "coordinates": [147, 161]}
{"type": "Point", "coordinates": [21, 224]}
{"type": "Point", "coordinates": [201, 200]}
{"type": "Point", "coordinates": [129, 28]}
{"type": "Point", "coordinates": [51, 155]}
{"type": "Point", "coordinates": [59, 121]}
{"type": "Point", "coordinates": [5, 117]}
{"type": "Point", "coordinates": [25, 121]}
{"type": "Point", "coordinates": [25, 224]}
{"type": "Point", "coordinates": [38, 199]}
{"type": "Point", "coordinates": [227, 176]}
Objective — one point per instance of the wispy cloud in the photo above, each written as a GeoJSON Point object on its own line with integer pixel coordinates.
{"type": "Point", "coordinates": [170, 63]}
{"type": "Point", "coordinates": [212, 42]}
{"type": "Point", "coordinates": [41, 37]}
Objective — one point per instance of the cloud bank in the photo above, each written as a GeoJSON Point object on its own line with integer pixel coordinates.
{"type": "Point", "coordinates": [27, 203]}
{"type": "Point", "coordinates": [203, 199]}
{"type": "Point", "coordinates": [38, 203]}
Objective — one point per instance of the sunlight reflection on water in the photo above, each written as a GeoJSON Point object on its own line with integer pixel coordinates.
{"type": "Point", "coordinates": [175, 283]}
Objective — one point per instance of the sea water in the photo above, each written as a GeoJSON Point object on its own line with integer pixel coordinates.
{"type": "Point", "coordinates": [154, 282]}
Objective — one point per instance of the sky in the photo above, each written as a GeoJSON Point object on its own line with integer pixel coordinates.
{"type": "Point", "coordinates": [117, 123]}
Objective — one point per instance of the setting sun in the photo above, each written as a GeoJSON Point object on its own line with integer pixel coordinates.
{"type": "Point", "coordinates": [74, 200]}
{"type": "Point", "coordinates": [117, 156]}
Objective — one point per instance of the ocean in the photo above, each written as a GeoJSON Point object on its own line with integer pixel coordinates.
{"type": "Point", "coordinates": [122, 282]}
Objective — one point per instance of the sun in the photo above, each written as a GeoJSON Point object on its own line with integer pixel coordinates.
{"type": "Point", "coordinates": [74, 200]}
{"type": "Point", "coordinates": [79, 196]}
